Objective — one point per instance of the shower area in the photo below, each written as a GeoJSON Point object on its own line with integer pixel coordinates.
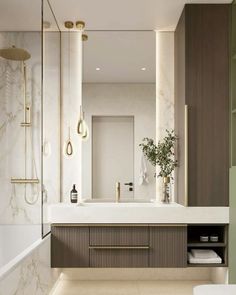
{"type": "Point", "coordinates": [29, 108]}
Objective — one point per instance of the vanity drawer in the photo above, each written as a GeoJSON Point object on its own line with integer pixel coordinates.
{"type": "Point", "coordinates": [119, 236]}
{"type": "Point", "coordinates": [119, 257]}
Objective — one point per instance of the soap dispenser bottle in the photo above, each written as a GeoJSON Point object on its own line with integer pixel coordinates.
{"type": "Point", "coordinates": [74, 195]}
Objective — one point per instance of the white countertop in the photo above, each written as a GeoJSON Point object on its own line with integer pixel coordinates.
{"type": "Point", "coordinates": [149, 213]}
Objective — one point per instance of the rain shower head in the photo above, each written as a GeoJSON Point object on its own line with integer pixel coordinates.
{"type": "Point", "coordinates": [14, 53]}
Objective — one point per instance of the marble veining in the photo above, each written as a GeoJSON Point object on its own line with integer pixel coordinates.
{"type": "Point", "coordinates": [14, 209]}
{"type": "Point", "coordinates": [33, 275]}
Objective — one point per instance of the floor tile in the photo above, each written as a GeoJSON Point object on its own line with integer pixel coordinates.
{"type": "Point", "coordinates": [67, 287]}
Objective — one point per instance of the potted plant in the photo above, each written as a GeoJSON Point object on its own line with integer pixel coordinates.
{"type": "Point", "coordinates": [162, 155]}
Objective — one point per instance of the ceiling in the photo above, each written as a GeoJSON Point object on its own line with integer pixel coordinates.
{"type": "Point", "coordinates": [98, 14]}
{"type": "Point", "coordinates": [119, 55]}
{"type": "Point", "coordinates": [123, 14]}
{"type": "Point", "coordinates": [122, 57]}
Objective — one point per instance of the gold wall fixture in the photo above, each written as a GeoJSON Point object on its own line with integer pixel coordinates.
{"type": "Point", "coordinates": [80, 25]}
{"type": "Point", "coordinates": [27, 108]}
{"type": "Point", "coordinates": [24, 180]}
{"type": "Point", "coordinates": [14, 53]}
{"type": "Point", "coordinates": [69, 24]}
{"type": "Point", "coordinates": [84, 37]}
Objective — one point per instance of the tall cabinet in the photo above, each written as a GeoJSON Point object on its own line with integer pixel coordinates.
{"type": "Point", "coordinates": [202, 104]}
{"type": "Point", "coordinates": [232, 227]}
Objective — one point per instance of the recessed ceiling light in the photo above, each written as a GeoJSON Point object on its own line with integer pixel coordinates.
{"type": "Point", "coordinates": [98, 69]}
{"type": "Point", "coordinates": [143, 69]}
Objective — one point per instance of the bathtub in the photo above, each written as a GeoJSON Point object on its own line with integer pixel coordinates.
{"type": "Point", "coordinates": [16, 242]}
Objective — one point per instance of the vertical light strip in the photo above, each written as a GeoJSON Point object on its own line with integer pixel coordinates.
{"type": "Point", "coordinates": [158, 188]}
{"type": "Point", "coordinates": [157, 85]}
{"type": "Point", "coordinates": [79, 66]}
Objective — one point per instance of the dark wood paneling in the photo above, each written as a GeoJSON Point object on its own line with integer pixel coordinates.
{"type": "Point", "coordinates": [207, 94]}
{"type": "Point", "coordinates": [168, 246]}
{"type": "Point", "coordinates": [70, 246]}
{"type": "Point", "coordinates": [206, 75]}
{"type": "Point", "coordinates": [119, 258]}
{"type": "Point", "coordinates": [119, 236]}
{"type": "Point", "coordinates": [179, 107]}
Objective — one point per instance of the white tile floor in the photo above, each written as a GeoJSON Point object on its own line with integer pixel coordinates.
{"type": "Point", "coordinates": [67, 287]}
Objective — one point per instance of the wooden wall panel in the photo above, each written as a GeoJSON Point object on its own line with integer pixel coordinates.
{"type": "Point", "coordinates": [207, 95]}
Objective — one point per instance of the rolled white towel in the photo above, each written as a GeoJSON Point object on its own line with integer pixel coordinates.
{"type": "Point", "coordinates": [203, 253]}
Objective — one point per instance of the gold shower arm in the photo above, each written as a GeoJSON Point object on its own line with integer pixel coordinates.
{"type": "Point", "coordinates": [24, 180]}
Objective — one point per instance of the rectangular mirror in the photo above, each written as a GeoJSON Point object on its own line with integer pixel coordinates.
{"type": "Point", "coordinates": [119, 104]}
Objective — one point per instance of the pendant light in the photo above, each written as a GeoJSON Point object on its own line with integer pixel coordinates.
{"type": "Point", "coordinates": [82, 127]}
{"type": "Point", "coordinates": [69, 146]}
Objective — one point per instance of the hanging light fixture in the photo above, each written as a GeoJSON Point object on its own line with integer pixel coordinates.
{"type": "Point", "coordinates": [68, 145]}
{"type": "Point", "coordinates": [82, 127]}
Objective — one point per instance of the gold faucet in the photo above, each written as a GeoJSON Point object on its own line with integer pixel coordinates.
{"type": "Point", "coordinates": [117, 192]}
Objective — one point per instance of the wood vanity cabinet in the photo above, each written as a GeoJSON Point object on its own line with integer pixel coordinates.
{"type": "Point", "coordinates": [202, 104]}
{"type": "Point", "coordinates": [119, 246]}
{"type": "Point", "coordinates": [69, 246]}
{"type": "Point", "coordinates": [168, 246]}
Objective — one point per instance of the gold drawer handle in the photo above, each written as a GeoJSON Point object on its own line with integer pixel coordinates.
{"type": "Point", "coordinates": [119, 247]}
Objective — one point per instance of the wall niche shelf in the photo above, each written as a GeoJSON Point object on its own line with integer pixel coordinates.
{"type": "Point", "coordinates": [193, 242]}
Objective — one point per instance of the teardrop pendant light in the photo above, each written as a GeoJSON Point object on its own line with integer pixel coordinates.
{"type": "Point", "coordinates": [69, 146]}
{"type": "Point", "coordinates": [82, 127]}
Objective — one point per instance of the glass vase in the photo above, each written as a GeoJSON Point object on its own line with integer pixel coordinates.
{"type": "Point", "coordinates": [166, 190]}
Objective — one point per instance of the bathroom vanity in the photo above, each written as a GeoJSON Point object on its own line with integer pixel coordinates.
{"type": "Point", "coordinates": [133, 234]}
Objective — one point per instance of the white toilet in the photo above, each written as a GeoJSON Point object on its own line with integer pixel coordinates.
{"type": "Point", "coordinates": [215, 290]}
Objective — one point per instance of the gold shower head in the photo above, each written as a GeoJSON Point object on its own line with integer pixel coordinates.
{"type": "Point", "coordinates": [14, 53]}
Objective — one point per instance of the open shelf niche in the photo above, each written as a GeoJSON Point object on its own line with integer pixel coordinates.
{"type": "Point", "coordinates": [220, 247]}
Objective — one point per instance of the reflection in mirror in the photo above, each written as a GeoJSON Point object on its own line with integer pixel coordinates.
{"type": "Point", "coordinates": [51, 112]}
{"type": "Point", "coordinates": [119, 101]}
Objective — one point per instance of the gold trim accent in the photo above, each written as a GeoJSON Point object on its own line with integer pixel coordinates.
{"type": "Point", "coordinates": [84, 37]}
{"type": "Point", "coordinates": [25, 124]}
{"type": "Point", "coordinates": [80, 24]}
{"type": "Point", "coordinates": [69, 24]}
{"type": "Point", "coordinates": [119, 224]}
{"type": "Point", "coordinates": [119, 247]}
{"type": "Point", "coordinates": [166, 179]}
{"type": "Point", "coordinates": [24, 180]}
{"type": "Point", "coordinates": [186, 155]}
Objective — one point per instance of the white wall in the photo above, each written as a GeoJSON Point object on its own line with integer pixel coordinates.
{"type": "Point", "coordinates": [136, 100]}
{"type": "Point", "coordinates": [14, 209]}
{"type": "Point", "coordinates": [51, 120]}
{"type": "Point", "coordinates": [164, 90]}
{"type": "Point", "coordinates": [71, 166]}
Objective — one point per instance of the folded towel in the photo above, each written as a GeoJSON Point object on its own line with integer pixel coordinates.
{"type": "Point", "coordinates": [193, 260]}
{"type": "Point", "coordinates": [203, 253]}
{"type": "Point", "coordinates": [143, 177]}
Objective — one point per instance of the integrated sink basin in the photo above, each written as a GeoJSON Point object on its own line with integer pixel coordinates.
{"type": "Point", "coordinates": [126, 204]}
{"type": "Point", "coordinates": [134, 213]}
